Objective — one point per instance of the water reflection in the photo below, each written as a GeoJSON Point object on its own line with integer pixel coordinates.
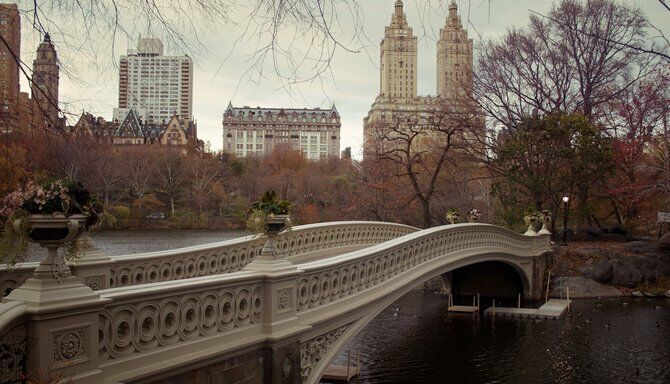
{"type": "Point", "coordinates": [425, 345]}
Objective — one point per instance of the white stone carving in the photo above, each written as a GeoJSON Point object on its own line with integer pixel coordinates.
{"type": "Point", "coordinates": [13, 350]}
{"type": "Point", "coordinates": [70, 346]}
{"type": "Point", "coordinates": [94, 282]}
{"type": "Point", "coordinates": [284, 299]}
{"type": "Point", "coordinates": [128, 328]}
{"type": "Point", "coordinates": [313, 350]}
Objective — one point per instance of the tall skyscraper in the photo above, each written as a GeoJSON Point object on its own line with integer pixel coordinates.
{"type": "Point", "coordinates": [156, 85]}
{"type": "Point", "coordinates": [454, 58]}
{"type": "Point", "coordinates": [398, 56]}
{"type": "Point", "coordinates": [45, 85]}
{"type": "Point", "coordinates": [10, 49]}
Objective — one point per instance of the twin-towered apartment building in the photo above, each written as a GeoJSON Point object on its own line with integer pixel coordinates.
{"type": "Point", "coordinates": [398, 102]}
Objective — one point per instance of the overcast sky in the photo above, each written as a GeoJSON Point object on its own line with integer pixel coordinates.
{"type": "Point", "coordinates": [354, 83]}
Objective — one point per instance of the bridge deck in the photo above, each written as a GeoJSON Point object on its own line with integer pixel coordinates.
{"type": "Point", "coordinates": [552, 309]}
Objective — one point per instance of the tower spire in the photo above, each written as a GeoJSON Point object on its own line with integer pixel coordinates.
{"type": "Point", "coordinates": [398, 58]}
{"type": "Point", "coordinates": [453, 18]}
{"type": "Point", "coordinates": [398, 7]}
{"type": "Point", "coordinates": [454, 57]}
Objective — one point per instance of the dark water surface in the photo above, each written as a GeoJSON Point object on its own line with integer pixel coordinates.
{"type": "Point", "coordinates": [425, 345]}
{"type": "Point", "coordinates": [125, 242]}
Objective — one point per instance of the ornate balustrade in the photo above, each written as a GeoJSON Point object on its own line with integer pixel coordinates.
{"type": "Point", "coordinates": [332, 280]}
{"type": "Point", "coordinates": [138, 320]}
{"type": "Point", "coordinates": [12, 277]}
{"type": "Point", "coordinates": [215, 258]}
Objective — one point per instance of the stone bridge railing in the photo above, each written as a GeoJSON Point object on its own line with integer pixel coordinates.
{"type": "Point", "coordinates": [165, 329]}
{"type": "Point", "coordinates": [100, 271]}
{"type": "Point", "coordinates": [163, 316]}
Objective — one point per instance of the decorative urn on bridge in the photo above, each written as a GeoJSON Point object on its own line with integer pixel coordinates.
{"type": "Point", "coordinates": [269, 216]}
{"type": "Point", "coordinates": [52, 232]}
{"type": "Point", "coordinates": [54, 215]}
{"type": "Point", "coordinates": [452, 216]}
{"type": "Point", "coordinates": [473, 215]}
{"type": "Point", "coordinates": [530, 219]}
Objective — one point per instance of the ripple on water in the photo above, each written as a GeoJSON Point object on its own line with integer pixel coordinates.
{"type": "Point", "coordinates": [424, 345]}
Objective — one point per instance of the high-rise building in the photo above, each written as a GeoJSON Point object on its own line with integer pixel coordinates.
{"type": "Point", "coordinates": [398, 104]}
{"type": "Point", "coordinates": [45, 85]}
{"type": "Point", "coordinates": [257, 131]}
{"type": "Point", "coordinates": [454, 58]}
{"type": "Point", "coordinates": [398, 58]}
{"type": "Point", "coordinates": [10, 30]}
{"type": "Point", "coordinates": [161, 86]}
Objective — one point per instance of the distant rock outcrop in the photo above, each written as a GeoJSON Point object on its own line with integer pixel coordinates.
{"type": "Point", "coordinates": [612, 268]}
{"type": "Point", "coordinates": [581, 287]}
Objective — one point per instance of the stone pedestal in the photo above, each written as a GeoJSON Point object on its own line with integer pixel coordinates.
{"type": "Point", "coordinates": [93, 267]}
{"type": "Point", "coordinates": [61, 324]}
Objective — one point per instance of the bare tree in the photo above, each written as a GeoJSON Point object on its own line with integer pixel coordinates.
{"type": "Point", "coordinates": [565, 62]}
{"type": "Point", "coordinates": [419, 147]}
{"type": "Point", "coordinates": [170, 174]}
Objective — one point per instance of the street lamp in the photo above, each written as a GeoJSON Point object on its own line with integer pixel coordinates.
{"type": "Point", "coordinates": [565, 220]}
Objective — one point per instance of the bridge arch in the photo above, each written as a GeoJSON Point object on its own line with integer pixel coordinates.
{"type": "Point", "coordinates": [336, 317]}
{"type": "Point", "coordinates": [345, 329]}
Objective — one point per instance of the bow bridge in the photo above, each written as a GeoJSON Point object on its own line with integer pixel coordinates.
{"type": "Point", "coordinates": [228, 313]}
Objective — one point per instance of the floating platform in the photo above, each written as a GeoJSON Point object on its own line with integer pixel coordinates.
{"type": "Point", "coordinates": [339, 373]}
{"type": "Point", "coordinates": [342, 373]}
{"type": "Point", "coordinates": [552, 309]}
{"type": "Point", "coordinates": [463, 308]}
{"type": "Point", "coordinates": [474, 308]}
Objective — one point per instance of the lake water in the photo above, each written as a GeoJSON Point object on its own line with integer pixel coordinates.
{"type": "Point", "coordinates": [424, 344]}
{"type": "Point", "coordinates": [149, 240]}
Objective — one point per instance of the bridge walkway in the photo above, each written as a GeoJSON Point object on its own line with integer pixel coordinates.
{"type": "Point", "coordinates": [326, 253]}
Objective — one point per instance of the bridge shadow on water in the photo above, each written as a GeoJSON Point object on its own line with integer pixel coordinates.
{"type": "Point", "coordinates": [415, 341]}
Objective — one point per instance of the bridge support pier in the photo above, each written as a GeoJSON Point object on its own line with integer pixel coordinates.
{"type": "Point", "coordinates": [282, 363]}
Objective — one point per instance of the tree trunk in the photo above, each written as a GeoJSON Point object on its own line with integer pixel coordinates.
{"type": "Point", "coordinates": [425, 205]}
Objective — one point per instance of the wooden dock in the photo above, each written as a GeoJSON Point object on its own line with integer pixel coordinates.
{"type": "Point", "coordinates": [552, 309]}
{"type": "Point", "coordinates": [341, 372]}
{"type": "Point", "coordinates": [473, 309]}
